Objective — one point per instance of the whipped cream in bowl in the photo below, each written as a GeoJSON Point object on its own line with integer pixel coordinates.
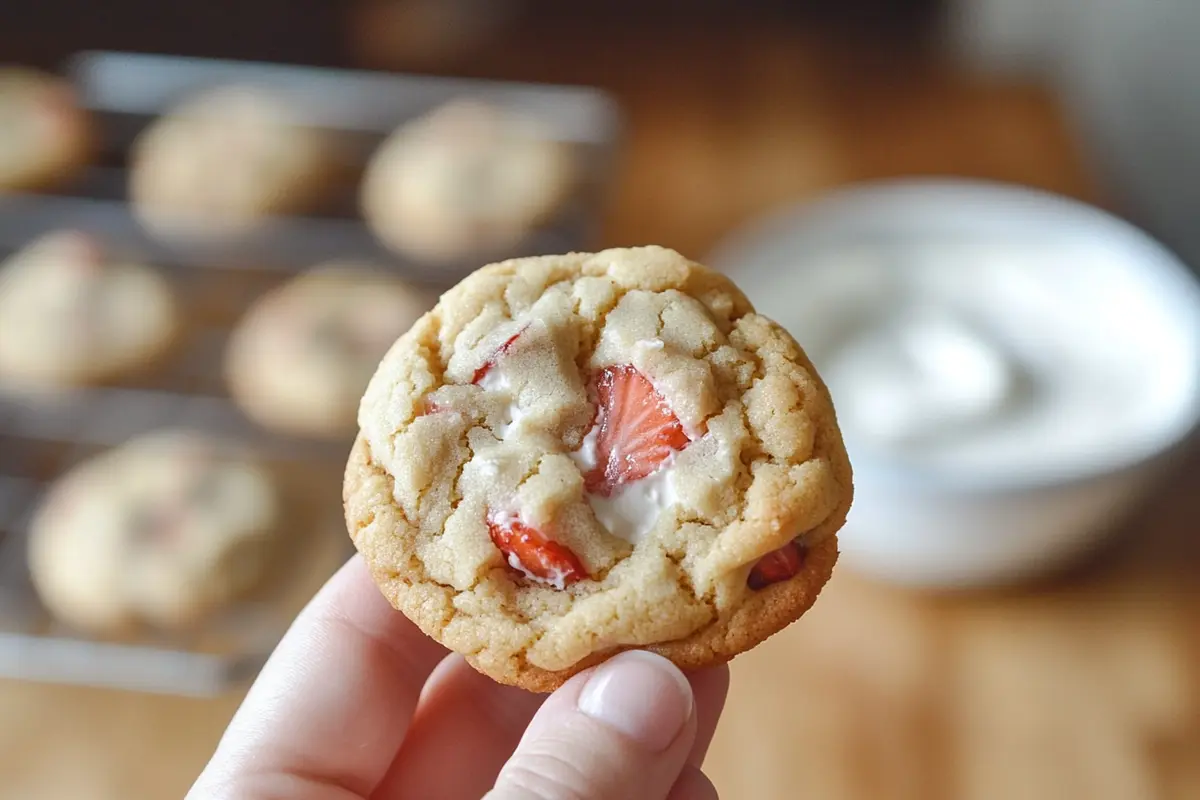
{"type": "Point", "coordinates": [1012, 371]}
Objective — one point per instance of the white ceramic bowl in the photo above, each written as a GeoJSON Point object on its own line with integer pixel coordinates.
{"type": "Point", "coordinates": [925, 527]}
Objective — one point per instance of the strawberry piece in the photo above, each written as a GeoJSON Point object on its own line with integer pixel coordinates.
{"type": "Point", "coordinates": [637, 430]}
{"type": "Point", "coordinates": [483, 370]}
{"type": "Point", "coordinates": [531, 553]}
{"type": "Point", "coordinates": [776, 566]}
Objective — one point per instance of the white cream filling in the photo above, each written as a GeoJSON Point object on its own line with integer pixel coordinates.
{"type": "Point", "coordinates": [488, 466]}
{"type": "Point", "coordinates": [633, 509]}
{"type": "Point", "coordinates": [649, 344]}
{"type": "Point", "coordinates": [558, 578]}
{"type": "Point", "coordinates": [496, 381]}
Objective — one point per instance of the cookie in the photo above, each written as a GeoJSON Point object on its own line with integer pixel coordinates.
{"type": "Point", "coordinates": [162, 531]}
{"type": "Point", "coordinates": [301, 358]}
{"type": "Point", "coordinates": [466, 179]}
{"type": "Point", "coordinates": [71, 312]}
{"type": "Point", "coordinates": [575, 455]}
{"type": "Point", "coordinates": [45, 137]}
{"type": "Point", "coordinates": [227, 159]}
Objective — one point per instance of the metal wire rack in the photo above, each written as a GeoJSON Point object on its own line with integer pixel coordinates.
{"type": "Point", "coordinates": [43, 436]}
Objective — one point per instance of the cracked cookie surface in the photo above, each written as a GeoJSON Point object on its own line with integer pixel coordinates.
{"type": "Point", "coordinates": [574, 455]}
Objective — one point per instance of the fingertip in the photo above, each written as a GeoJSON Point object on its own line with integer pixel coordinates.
{"type": "Point", "coordinates": [642, 695]}
{"type": "Point", "coordinates": [623, 728]}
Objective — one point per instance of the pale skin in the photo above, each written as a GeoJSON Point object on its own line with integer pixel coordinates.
{"type": "Point", "coordinates": [357, 703]}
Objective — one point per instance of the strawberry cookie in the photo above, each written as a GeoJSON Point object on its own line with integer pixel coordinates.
{"type": "Point", "coordinates": [75, 311]}
{"type": "Point", "coordinates": [162, 531]}
{"type": "Point", "coordinates": [302, 356]}
{"type": "Point", "coordinates": [575, 455]}
{"type": "Point", "coordinates": [226, 160]}
{"type": "Point", "coordinates": [466, 179]}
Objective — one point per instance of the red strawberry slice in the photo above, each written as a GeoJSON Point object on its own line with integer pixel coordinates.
{"type": "Point", "coordinates": [637, 430]}
{"type": "Point", "coordinates": [531, 553]}
{"type": "Point", "coordinates": [483, 370]}
{"type": "Point", "coordinates": [776, 566]}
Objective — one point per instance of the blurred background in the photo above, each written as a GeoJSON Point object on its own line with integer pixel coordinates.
{"type": "Point", "coordinates": [912, 187]}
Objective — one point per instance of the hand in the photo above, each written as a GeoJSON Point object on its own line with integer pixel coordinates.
{"type": "Point", "coordinates": [357, 703]}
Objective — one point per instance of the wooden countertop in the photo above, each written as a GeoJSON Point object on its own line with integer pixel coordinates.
{"type": "Point", "coordinates": [1088, 686]}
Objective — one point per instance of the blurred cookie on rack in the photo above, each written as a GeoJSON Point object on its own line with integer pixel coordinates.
{"type": "Point", "coordinates": [45, 136]}
{"type": "Point", "coordinates": [303, 354]}
{"type": "Point", "coordinates": [226, 159]}
{"type": "Point", "coordinates": [468, 179]}
{"type": "Point", "coordinates": [73, 312]}
{"type": "Point", "coordinates": [163, 531]}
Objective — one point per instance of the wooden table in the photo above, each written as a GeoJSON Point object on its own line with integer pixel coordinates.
{"type": "Point", "coordinates": [1086, 687]}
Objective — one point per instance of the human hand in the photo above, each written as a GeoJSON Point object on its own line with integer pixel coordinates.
{"type": "Point", "coordinates": [357, 703]}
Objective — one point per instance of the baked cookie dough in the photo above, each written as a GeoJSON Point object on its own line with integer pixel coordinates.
{"type": "Point", "coordinates": [301, 358]}
{"type": "Point", "coordinates": [71, 312]}
{"type": "Point", "coordinates": [466, 179]}
{"type": "Point", "coordinates": [162, 531]}
{"type": "Point", "coordinates": [226, 159]}
{"type": "Point", "coordinates": [45, 137]}
{"type": "Point", "coordinates": [575, 455]}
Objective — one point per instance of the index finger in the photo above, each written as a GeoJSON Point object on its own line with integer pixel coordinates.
{"type": "Point", "coordinates": [329, 710]}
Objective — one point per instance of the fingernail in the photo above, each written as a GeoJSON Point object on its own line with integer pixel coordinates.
{"type": "Point", "coordinates": [642, 695]}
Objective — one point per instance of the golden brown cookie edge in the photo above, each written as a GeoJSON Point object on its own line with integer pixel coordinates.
{"type": "Point", "coordinates": [769, 611]}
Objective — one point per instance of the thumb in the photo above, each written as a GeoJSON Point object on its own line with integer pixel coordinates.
{"type": "Point", "coordinates": [623, 729]}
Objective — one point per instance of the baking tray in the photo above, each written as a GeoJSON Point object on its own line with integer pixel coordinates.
{"type": "Point", "coordinates": [42, 437]}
